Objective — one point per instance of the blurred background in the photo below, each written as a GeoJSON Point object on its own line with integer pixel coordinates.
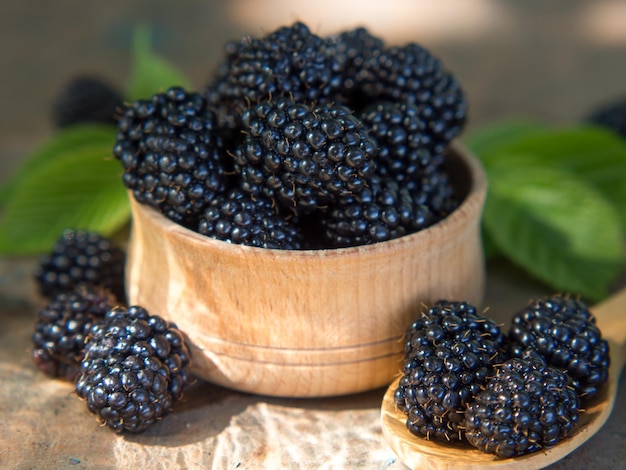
{"type": "Point", "coordinates": [553, 61]}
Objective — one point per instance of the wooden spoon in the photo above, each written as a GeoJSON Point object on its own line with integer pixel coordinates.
{"type": "Point", "coordinates": [421, 453]}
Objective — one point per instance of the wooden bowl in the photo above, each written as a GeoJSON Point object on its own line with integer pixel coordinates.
{"type": "Point", "coordinates": [305, 323]}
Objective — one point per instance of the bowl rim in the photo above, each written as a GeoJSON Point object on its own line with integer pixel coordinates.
{"type": "Point", "coordinates": [474, 199]}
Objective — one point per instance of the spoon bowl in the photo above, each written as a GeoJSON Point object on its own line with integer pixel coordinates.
{"type": "Point", "coordinates": [416, 452]}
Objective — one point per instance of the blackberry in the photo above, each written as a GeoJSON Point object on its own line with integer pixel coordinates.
{"type": "Point", "coordinates": [405, 153]}
{"type": "Point", "coordinates": [352, 48]}
{"type": "Point", "coordinates": [404, 150]}
{"type": "Point", "coordinates": [564, 332]}
{"type": "Point", "coordinates": [382, 211]}
{"type": "Point", "coordinates": [135, 367]}
{"type": "Point", "coordinates": [172, 153]}
{"type": "Point", "coordinates": [611, 116]}
{"type": "Point", "coordinates": [525, 407]}
{"type": "Point", "coordinates": [290, 61]}
{"type": "Point", "coordinates": [303, 156]}
{"type": "Point", "coordinates": [81, 256]}
{"type": "Point", "coordinates": [434, 191]}
{"type": "Point", "coordinates": [86, 99]}
{"type": "Point", "coordinates": [450, 351]}
{"type": "Point", "coordinates": [62, 327]}
{"type": "Point", "coordinates": [238, 217]}
{"type": "Point", "coordinates": [411, 74]}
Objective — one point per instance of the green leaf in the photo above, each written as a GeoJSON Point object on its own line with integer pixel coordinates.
{"type": "Point", "coordinates": [64, 139]}
{"type": "Point", "coordinates": [150, 73]}
{"type": "Point", "coordinates": [555, 226]}
{"type": "Point", "coordinates": [79, 185]}
{"type": "Point", "coordinates": [490, 138]}
{"type": "Point", "coordinates": [593, 153]}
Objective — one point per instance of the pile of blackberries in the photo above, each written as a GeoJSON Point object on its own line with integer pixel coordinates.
{"type": "Point", "coordinates": [341, 134]}
{"type": "Point", "coordinates": [129, 366]}
{"type": "Point", "coordinates": [510, 395]}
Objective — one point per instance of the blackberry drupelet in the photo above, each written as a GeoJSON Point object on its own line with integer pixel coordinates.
{"type": "Point", "coordinates": [62, 326]}
{"type": "Point", "coordinates": [381, 211]}
{"type": "Point", "coordinates": [241, 218]}
{"type": "Point", "coordinates": [136, 366]}
{"type": "Point", "coordinates": [411, 74]}
{"type": "Point", "coordinates": [611, 116]}
{"type": "Point", "coordinates": [304, 156]}
{"type": "Point", "coordinates": [86, 99]}
{"type": "Point", "coordinates": [450, 351]}
{"type": "Point", "coordinates": [172, 153]}
{"type": "Point", "coordinates": [290, 61]}
{"type": "Point", "coordinates": [564, 332]}
{"type": "Point", "coordinates": [81, 256]}
{"type": "Point", "coordinates": [525, 407]}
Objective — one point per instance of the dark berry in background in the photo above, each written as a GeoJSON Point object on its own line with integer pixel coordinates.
{"type": "Point", "coordinates": [563, 331]}
{"type": "Point", "coordinates": [611, 116]}
{"type": "Point", "coordinates": [136, 366]}
{"type": "Point", "coordinates": [81, 257]}
{"type": "Point", "coordinates": [86, 99]}
{"type": "Point", "coordinates": [62, 327]}
{"type": "Point", "coordinates": [172, 153]}
{"type": "Point", "coordinates": [527, 406]}
{"type": "Point", "coordinates": [450, 351]}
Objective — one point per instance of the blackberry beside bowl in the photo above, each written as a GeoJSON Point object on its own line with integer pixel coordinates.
{"type": "Point", "coordinates": [305, 323]}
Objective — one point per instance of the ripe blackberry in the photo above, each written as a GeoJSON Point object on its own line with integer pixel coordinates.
{"type": "Point", "coordinates": [525, 407]}
{"type": "Point", "coordinates": [450, 351]}
{"type": "Point", "coordinates": [434, 191]}
{"type": "Point", "coordinates": [81, 256]}
{"type": "Point", "coordinates": [564, 332]}
{"type": "Point", "coordinates": [404, 146]}
{"type": "Point", "coordinates": [611, 116]}
{"type": "Point", "coordinates": [241, 218]}
{"type": "Point", "coordinates": [352, 48]}
{"type": "Point", "coordinates": [303, 156]}
{"type": "Point", "coordinates": [413, 75]}
{"type": "Point", "coordinates": [290, 61]}
{"type": "Point", "coordinates": [62, 327]}
{"type": "Point", "coordinates": [86, 100]}
{"type": "Point", "coordinates": [381, 211]}
{"type": "Point", "coordinates": [172, 153]}
{"type": "Point", "coordinates": [136, 366]}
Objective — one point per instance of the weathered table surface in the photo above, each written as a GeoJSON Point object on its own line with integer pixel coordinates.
{"type": "Point", "coordinates": [44, 425]}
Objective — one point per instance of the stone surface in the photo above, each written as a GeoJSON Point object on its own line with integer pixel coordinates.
{"type": "Point", "coordinates": [46, 426]}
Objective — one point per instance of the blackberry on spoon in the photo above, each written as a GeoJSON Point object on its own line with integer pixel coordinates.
{"type": "Point", "coordinates": [563, 331]}
{"type": "Point", "coordinates": [450, 351]}
{"type": "Point", "coordinates": [527, 406]}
